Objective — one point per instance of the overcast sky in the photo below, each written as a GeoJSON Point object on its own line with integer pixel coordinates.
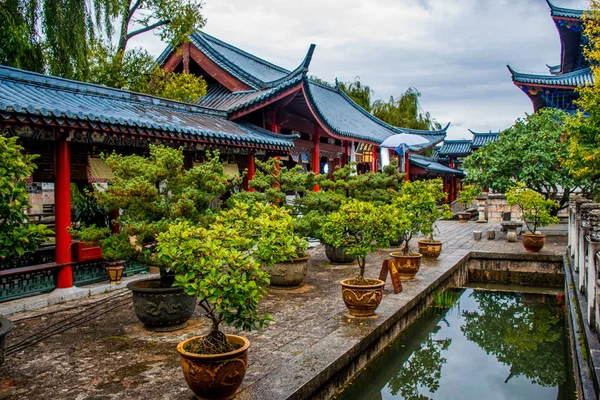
{"type": "Point", "coordinates": [453, 51]}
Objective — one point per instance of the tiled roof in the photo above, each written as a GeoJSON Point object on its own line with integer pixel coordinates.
{"type": "Point", "coordinates": [564, 12]}
{"type": "Point", "coordinates": [429, 164]}
{"type": "Point", "coordinates": [36, 96]}
{"type": "Point", "coordinates": [582, 77]}
{"type": "Point", "coordinates": [455, 148]}
{"type": "Point", "coordinates": [554, 69]}
{"type": "Point", "coordinates": [481, 138]}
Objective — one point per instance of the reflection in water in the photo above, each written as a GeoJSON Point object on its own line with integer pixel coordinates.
{"type": "Point", "coordinates": [491, 345]}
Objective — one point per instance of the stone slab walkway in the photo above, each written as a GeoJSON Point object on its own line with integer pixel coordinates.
{"type": "Point", "coordinates": [113, 357]}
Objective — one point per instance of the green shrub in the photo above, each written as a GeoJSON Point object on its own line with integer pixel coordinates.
{"type": "Point", "coordinates": [537, 210]}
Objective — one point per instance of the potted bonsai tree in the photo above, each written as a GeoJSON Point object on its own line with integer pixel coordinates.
{"type": "Point", "coordinates": [536, 212]}
{"type": "Point", "coordinates": [217, 266]}
{"type": "Point", "coordinates": [88, 247]}
{"type": "Point", "coordinates": [359, 228]}
{"type": "Point", "coordinates": [116, 249]}
{"type": "Point", "coordinates": [152, 193]}
{"type": "Point", "coordinates": [17, 237]}
{"type": "Point", "coordinates": [432, 211]}
{"type": "Point", "coordinates": [466, 197]}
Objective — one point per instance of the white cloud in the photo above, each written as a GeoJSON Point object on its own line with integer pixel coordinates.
{"type": "Point", "coordinates": [454, 51]}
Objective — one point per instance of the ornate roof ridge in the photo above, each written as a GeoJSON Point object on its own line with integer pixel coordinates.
{"type": "Point", "coordinates": [302, 69]}
{"type": "Point", "coordinates": [490, 133]}
{"type": "Point", "coordinates": [564, 12]}
{"type": "Point", "coordinates": [585, 75]}
{"type": "Point", "coordinates": [35, 78]}
{"type": "Point", "coordinates": [282, 136]}
{"type": "Point", "coordinates": [457, 141]}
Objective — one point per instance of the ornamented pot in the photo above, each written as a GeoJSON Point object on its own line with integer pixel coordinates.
{"type": "Point", "coordinates": [337, 255]}
{"type": "Point", "coordinates": [464, 216]}
{"type": "Point", "coordinates": [5, 327]}
{"type": "Point", "coordinates": [115, 271]}
{"type": "Point", "coordinates": [533, 241]}
{"type": "Point", "coordinates": [161, 309]}
{"type": "Point", "coordinates": [407, 266]}
{"type": "Point", "coordinates": [430, 248]}
{"type": "Point", "coordinates": [288, 274]}
{"type": "Point", "coordinates": [362, 300]}
{"type": "Point", "coordinates": [215, 376]}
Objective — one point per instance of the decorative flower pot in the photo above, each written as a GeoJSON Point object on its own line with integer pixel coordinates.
{"type": "Point", "coordinates": [215, 376]}
{"type": "Point", "coordinates": [115, 271]}
{"type": "Point", "coordinates": [491, 235]}
{"type": "Point", "coordinates": [464, 216]}
{"type": "Point", "coordinates": [337, 255]}
{"type": "Point", "coordinates": [161, 309]}
{"type": "Point", "coordinates": [477, 234]}
{"type": "Point", "coordinates": [362, 300]}
{"type": "Point", "coordinates": [288, 274]}
{"type": "Point", "coordinates": [5, 327]}
{"type": "Point", "coordinates": [82, 253]}
{"type": "Point", "coordinates": [533, 241]}
{"type": "Point", "coordinates": [408, 265]}
{"type": "Point", "coordinates": [430, 248]}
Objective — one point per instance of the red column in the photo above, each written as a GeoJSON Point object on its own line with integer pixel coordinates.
{"type": "Point", "coordinates": [407, 166]}
{"type": "Point", "coordinates": [62, 206]}
{"type": "Point", "coordinates": [316, 155]}
{"type": "Point", "coordinates": [274, 127]}
{"type": "Point", "coordinates": [250, 175]}
{"type": "Point", "coordinates": [346, 152]}
{"type": "Point", "coordinates": [115, 227]}
{"type": "Point", "coordinates": [374, 163]}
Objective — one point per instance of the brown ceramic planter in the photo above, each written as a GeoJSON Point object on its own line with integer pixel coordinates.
{"type": "Point", "coordinates": [407, 266]}
{"type": "Point", "coordinates": [430, 248]}
{"type": "Point", "coordinates": [362, 300]}
{"type": "Point", "coordinates": [533, 241]}
{"type": "Point", "coordinates": [215, 376]}
{"type": "Point", "coordinates": [288, 274]}
{"type": "Point", "coordinates": [464, 217]}
{"type": "Point", "coordinates": [115, 271]}
{"type": "Point", "coordinates": [337, 255]}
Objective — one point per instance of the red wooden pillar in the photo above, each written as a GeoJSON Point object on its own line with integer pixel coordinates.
{"type": "Point", "coordinates": [346, 152]}
{"type": "Point", "coordinates": [445, 187]}
{"type": "Point", "coordinates": [406, 166]}
{"type": "Point", "coordinates": [115, 227]}
{"type": "Point", "coordinates": [274, 126]}
{"type": "Point", "coordinates": [62, 206]}
{"type": "Point", "coordinates": [374, 162]}
{"type": "Point", "coordinates": [316, 155]}
{"type": "Point", "coordinates": [186, 57]}
{"type": "Point", "coordinates": [250, 171]}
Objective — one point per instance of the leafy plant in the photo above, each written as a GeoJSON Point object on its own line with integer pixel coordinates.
{"type": "Point", "coordinates": [91, 235]}
{"type": "Point", "coordinates": [85, 209]}
{"type": "Point", "coordinates": [432, 210]}
{"type": "Point", "coordinates": [537, 210]}
{"type": "Point", "coordinates": [16, 236]}
{"type": "Point", "coordinates": [467, 195]}
{"type": "Point", "coordinates": [117, 247]}
{"type": "Point", "coordinates": [357, 226]}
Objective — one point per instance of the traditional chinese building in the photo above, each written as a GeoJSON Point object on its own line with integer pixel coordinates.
{"type": "Point", "coordinates": [557, 87]}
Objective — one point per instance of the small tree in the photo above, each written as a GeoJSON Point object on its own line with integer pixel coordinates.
{"type": "Point", "coordinates": [431, 210]}
{"type": "Point", "coordinates": [16, 236]}
{"type": "Point", "coordinates": [117, 248]}
{"type": "Point", "coordinates": [358, 227]}
{"type": "Point", "coordinates": [537, 210]}
{"type": "Point", "coordinates": [467, 195]}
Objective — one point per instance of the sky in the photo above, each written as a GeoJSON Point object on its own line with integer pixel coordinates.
{"type": "Point", "coordinates": [454, 52]}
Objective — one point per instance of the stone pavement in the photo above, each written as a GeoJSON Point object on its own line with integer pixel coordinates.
{"type": "Point", "coordinates": [113, 357]}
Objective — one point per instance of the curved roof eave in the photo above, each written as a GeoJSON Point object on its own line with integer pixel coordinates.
{"type": "Point", "coordinates": [581, 77]}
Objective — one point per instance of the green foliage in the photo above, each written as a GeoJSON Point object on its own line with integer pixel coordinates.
{"type": "Point", "coordinates": [91, 235]}
{"type": "Point", "coordinates": [532, 151]}
{"type": "Point", "coordinates": [467, 195]}
{"type": "Point", "coordinates": [313, 208]}
{"type": "Point", "coordinates": [432, 191]}
{"type": "Point", "coordinates": [537, 210]}
{"type": "Point", "coordinates": [357, 226]}
{"type": "Point", "coordinates": [404, 111]}
{"type": "Point", "coordinates": [525, 337]}
{"type": "Point", "coordinates": [359, 93]}
{"type": "Point", "coordinates": [20, 47]}
{"type": "Point", "coordinates": [16, 236]}
{"type": "Point", "coordinates": [117, 247]}
{"type": "Point", "coordinates": [85, 210]}
{"type": "Point", "coordinates": [152, 192]}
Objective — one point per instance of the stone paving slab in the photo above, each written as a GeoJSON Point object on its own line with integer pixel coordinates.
{"type": "Point", "coordinates": [113, 357]}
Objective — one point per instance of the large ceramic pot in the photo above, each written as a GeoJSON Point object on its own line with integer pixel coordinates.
{"type": "Point", "coordinates": [464, 216]}
{"type": "Point", "coordinates": [362, 300]}
{"type": "Point", "coordinates": [408, 265]}
{"type": "Point", "coordinates": [161, 309]}
{"type": "Point", "coordinates": [288, 274]}
{"type": "Point", "coordinates": [430, 248]}
{"type": "Point", "coordinates": [5, 327]}
{"type": "Point", "coordinates": [215, 376]}
{"type": "Point", "coordinates": [397, 242]}
{"type": "Point", "coordinates": [533, 241]}
{"type": "Point", "coordinates": [337, 255]}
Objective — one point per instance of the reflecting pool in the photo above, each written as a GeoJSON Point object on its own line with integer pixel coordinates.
{"type": "Point", "coordinates": [476, 344]}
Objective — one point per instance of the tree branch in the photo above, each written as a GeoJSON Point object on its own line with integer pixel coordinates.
{"type": "Point", "coordinates": [148, 28]}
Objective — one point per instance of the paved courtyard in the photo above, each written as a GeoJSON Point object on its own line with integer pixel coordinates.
{"type": "Point", "coordinates": [108, 355]}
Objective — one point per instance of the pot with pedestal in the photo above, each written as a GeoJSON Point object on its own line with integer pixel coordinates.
{"type": "Point", "coordinates": [215, 376]}
{"type": "Point", "coordinates": [362, 297]}
{"type": "Point", "coordinates": [337, 255]}
{"type": "Point", "coordinates": [288, 274]}
{"type": "Point", "coordinates": [430, 248]}
{"type": "Point", "coordinates": [533, 242]}
{"type": "Point", "coordinates": [407, 265]}
{"type": "Point", "coordinates": [6, 326]}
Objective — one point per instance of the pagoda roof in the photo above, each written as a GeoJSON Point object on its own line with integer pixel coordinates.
{"type": "Point", "coordinates": [482, 138]}
{"type": "Point", "coordinates": [582, 77]}
{"type": "Point", "coordinates": [51, 100]}
{"type": "Point", "coordinates": [562, 12]}
{"type": "Point", "coordinates": [431, 165]}
{"type": "Point", "coordinates": [455, 148]}
{"type": "Point", "coordinates": [554, 69]}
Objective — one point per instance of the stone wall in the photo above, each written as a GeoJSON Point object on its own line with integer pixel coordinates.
{"type": "Point", "coordinates": [495, 205]}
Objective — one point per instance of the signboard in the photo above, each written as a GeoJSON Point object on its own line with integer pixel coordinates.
{"type": "Point", "coordinates": [388, 265]}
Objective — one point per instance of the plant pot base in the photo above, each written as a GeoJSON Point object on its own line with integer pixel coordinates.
{"type": "Point", "coordinates": [166, 328]}
{"type": "Point", "coordinates": [533, 242]}
{"type": "Point", "coordinates": [362, 300]}
{"type": "Point", "coordinates": [407, 265]}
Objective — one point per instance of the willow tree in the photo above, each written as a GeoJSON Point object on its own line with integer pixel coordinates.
{"type": "Point", "coordinates": [21, 46]}
{"type": "Point", "coordinates": [359, 93]}
{"type": "Point", "coordinates": [584, 129]}
{"type": "Point", "coordinates": [405, 111]}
